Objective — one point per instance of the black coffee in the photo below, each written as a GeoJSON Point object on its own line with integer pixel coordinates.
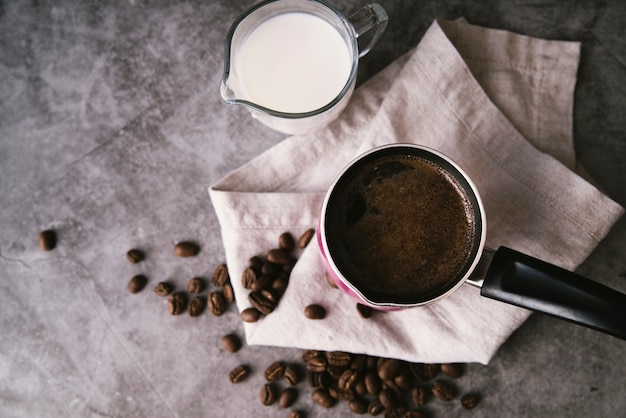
{"type": "Point", "coordinates": [401, 228]}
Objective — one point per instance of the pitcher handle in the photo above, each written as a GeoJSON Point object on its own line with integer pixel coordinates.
{"type": "Point", "coordinates": [371, 17]}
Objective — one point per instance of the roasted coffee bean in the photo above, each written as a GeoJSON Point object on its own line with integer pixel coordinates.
{"type": "Point", "coordinates": [348, 379]}
{"type": "Point", "coordinates": [397, 411]}
{"type": "Point", "coordinates": [176, 303]}
{"type": "Point", "coordinates": [442, 390]}
{"type": "Point", "coordinates": [432, 370]}
{"type": "Point", "coordinates": [255, 263]}
{"type": "Point", "coordinates": [375, 407]}
{"type": "Point", "coordinates": [389, 368]}
{"type": "Point", "coordinates": [373, 384]}
{"type": "Point", "coordinates": [250, 315]}
{"type": "Point", "coordinates": [359, 387]}
{"type": "Point", "coordinates": [186, 249]}
{"type": "Point", "coordinates": [364, 311]}
{"type": "Point", "coordinates": [454, 370]}
{"type": "Point", "coordinates": [239, 373]}
{"type": "Point", "coordinates": [315, 311]}
{"type": "Point", "coordinates": [317, 364]}
{"type": "Point", "coordinates": [260, 301]}
{"type": "Point", "coordinates": [323, 398]}
{"type": "Point", "coordinates": [47, 239]}
{"type": "Point", "coordinates": [308, 354]}
{"type": "Point", "coordinates": [248, 278]}
{"type": "Point", "coordinates": [271, 269]}
{"type": "Point", "coordinates": [137, 283]}
{"type": "Point", "coordinates": [286, 241]}
{"type": "Point", "coordinates": [196, 306]}
{"type": "Point", "coordinates": [274, 371]}
{"type": "Point", "coordinates": [419, 396]}
{"type": "Point", "coordinates": [287, 397]}
{"type": "Point", "coordinates": [195, 285]}
{"type": "Point", "coordinates": [228, 292]}
{"type": "Point", "coordinates": [404, 379]}
{"type": "Point", "coordinates": [358, 406]}
{"type": "Point", "coordinates": [231, 343]}
{"type": "Point", "coordinates": [134, 256]}
{"type": "Point", "coordinates": [163, 289]}
{"type": "Point", "coordinates": [295, 414]}
{"type": "Point", "coordinates": [318, 379]}
{"type": "Point", "coordinates": [340, 394]}
{"type": "Point", "coordinates": [419, 372]}
{"type": "Point", "coordinates": [280, 285]}
{"type": "Point", "coordinates": [262, 283]}
{"type": "Point", "coordinates": [292, 375]}
{"type": "Point", "coordinates": [217, 303]}
{"type": "Point", "coordinates": [305, 238]}
{"type": "Point", "coordinates": [470, 400]}
{"type": "Point", "coordinates": [330, 281]}
{"type": "Point", "coordinates": [220, 275]}
{"type": "Point", "coordinates": [338, 358]}
{"type": "Point", "coordinates": [278, 256]}
{"type": "Point", "coordinates": [267, 394]}
{"type": "Point", "coordinates": [387, 398]}
{"type": "Point", "coordinates": [391, 385]}
{"type": "Point", "coordinates": [336, 371]}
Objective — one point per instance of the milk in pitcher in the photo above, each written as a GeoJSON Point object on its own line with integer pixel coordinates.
{"type": "Point", "coordinates": [294, 63]}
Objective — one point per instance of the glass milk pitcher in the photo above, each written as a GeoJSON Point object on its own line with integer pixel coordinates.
{"type": "Point", "coordinates": [293, 63]}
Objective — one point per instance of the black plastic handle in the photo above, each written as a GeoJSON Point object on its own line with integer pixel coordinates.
{"type": "Point", "coordinates": [531, 283]}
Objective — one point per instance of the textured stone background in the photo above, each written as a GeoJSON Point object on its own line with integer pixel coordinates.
{"type": "Point", "coordinates": [111, 130]}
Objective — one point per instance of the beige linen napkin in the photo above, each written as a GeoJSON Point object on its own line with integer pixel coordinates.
{"type": "Point", "coordinates": [500, 105]}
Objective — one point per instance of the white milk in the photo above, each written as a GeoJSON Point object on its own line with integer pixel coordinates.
{"type": "Point", "coordinates": [293, 63]}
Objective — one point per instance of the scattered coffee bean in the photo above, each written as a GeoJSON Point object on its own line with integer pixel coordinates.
{"type": "Point", "coordinates": [47, 240]}
{"type": "Point", "coordinates": [375, 407]}
{"type": "Point", "coordinates": [469, 401]}
{"type": "Point", "coordinates": [262, 283]}
{"type": "Point", "coordinates": [317, 363]}
{"type": "Point", "coordinates": [404, 379]}
{"type": "Point", "coordinates": [176, 303]}
{"type": "Point", "coordinates": [278, 256]}
{"type": "Point", "coordinates": [305, 238]}
{"type": "Point", "coordinates": [388, 369]}
{"type": "Point", "coordinates": [338, 358]}
{"type": "Point", "coordinates": [322, 397]}
{"type": "Point", "coordinates": [220, 276]}
{"type": "Point", "coordinates": [195, 285]}
{"type": "Point", "coordinates": [274, 371]}
{"type": "Point", "coordinates": [163, 289]}
{"type": "Point", "coordinates": [295, 414]}
{"type": "Point", "coordinates": [248, 278]}
{"type": "Point", "coordinates": [358, 406]}
{"type": "Point", "coordinates": [239, 373]}
{"type": "Point", "coordinates": [348, 379]}
{"type": "Point", "coordinates": [286, 241]}
{"type": "Point", "coordinates": [315, 311]}
{"type": "Point", "coordinates": [217, 303]}
{"type": "Point", "coordinates": [256, 263]}
{"type": "Point", "coordinates": [287, 397]}
{"type": "Point", "coordinates": [186, 249]}
{"type": "Point", "coordinates": [134, 256]}
{"type": "Point", "coordinates": [388, 398]}
{"type": "Point", "coordinates": [137, 283]}
{"type": "Point", "coordinates": [268, 394]}
{"type": "Point", "coordinates": [373, 384]}
{"type": "Point", "coordinates": [196, 306]}
{"type": "Point", "coordinates": [292, 375]}
{"type": "Point", "coordinates": [413, 414]}
{"type": "Point", "coordinates": [231, 343]}
{"type": "Point", "coordinates": [443, 390]}
{"type": "Point", "coordinates": [432, 370]}
{"type": "Point", "coordinates": [261, 302]}
{"type": "Point", "coordinates": [228, 292]}
{"type": "Point", "coordinates": [271, 269]}
{"type": "Point", "coordinates": [250, 315]}
{"type": "Point", "coordinates": [364, 310]}
{"type": "Point", "coordinates": [419, 396]}
{"type": "Point", "coordinates": [453, 370]}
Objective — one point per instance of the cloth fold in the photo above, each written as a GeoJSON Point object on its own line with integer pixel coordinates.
{"type": "Point", "coordinates": [500, 105]}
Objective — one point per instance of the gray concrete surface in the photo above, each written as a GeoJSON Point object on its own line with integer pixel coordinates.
{"type": "Point", "coordinates": [111, 129]}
